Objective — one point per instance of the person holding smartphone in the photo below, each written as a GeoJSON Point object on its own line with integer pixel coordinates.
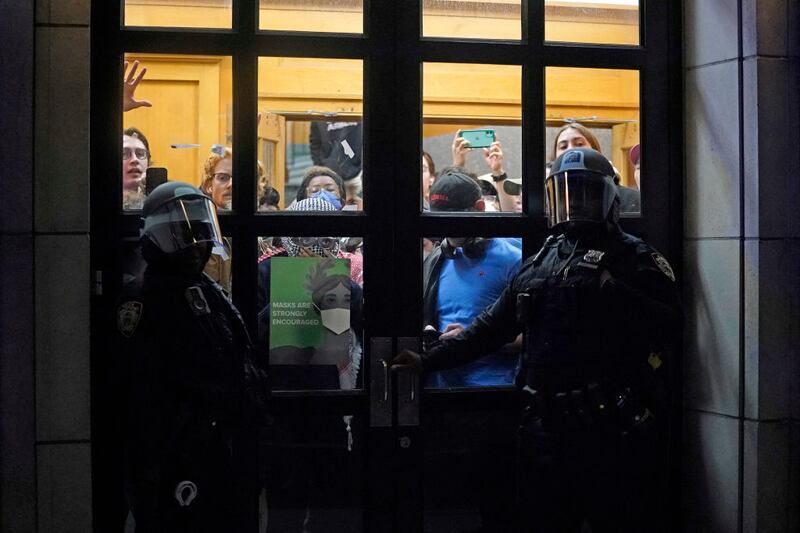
{"type": "Point", "coordinates": [493, 156]}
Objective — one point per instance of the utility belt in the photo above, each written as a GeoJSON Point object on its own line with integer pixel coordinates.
{"type": "Point", "coordinates": [593, 405]}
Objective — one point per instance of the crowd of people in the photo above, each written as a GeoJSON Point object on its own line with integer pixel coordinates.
{"type": "Point", "coordinates": [490, 319]}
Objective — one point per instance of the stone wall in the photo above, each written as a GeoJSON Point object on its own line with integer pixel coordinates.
{"type": "Point", "coordinates": [741, 287]}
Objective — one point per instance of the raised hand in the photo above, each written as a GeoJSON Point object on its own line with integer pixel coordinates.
{"type": "Point", "coordinates": [129, 83]}
{"type": "Point", "coordinates": [460, 149]}
{"type": "Point", "coordinates": [494, 158]}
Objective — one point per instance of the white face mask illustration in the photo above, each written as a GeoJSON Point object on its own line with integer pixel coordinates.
{"type": "Point", "coordinates": [336, 320]}
{"type": "Point", "coordinates": [336, 313]}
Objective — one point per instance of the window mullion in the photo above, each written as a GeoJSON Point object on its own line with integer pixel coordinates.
{"type": "Point", "coordinates": [245, 109]}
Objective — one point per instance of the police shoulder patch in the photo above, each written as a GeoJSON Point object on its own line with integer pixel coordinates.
{"type": "Point", "coordinates": [663, 265]}
{"type": "Point", "coordinates": [128, 315]}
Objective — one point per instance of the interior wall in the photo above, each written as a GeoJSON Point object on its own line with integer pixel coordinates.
{"type": "Point", "coordinates": [741, 438]}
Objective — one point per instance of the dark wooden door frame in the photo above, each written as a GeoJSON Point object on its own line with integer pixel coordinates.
{"type": "Point", "coordinates": [392, 52]}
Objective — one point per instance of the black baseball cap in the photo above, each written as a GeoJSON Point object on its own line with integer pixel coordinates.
{"type": "Point", "coordinates": [454, 191]}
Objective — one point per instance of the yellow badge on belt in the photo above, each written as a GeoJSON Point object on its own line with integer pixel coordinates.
{"type": "Point", "coordinates": [655, 361]}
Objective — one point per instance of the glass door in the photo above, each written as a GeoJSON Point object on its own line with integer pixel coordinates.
{"type": "Point", "coordinates": [522, 82]}
{"type": "Point", "coordinates": [320, 131]}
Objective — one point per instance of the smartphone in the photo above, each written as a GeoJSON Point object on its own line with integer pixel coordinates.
{"type": "Point", "coordinates": [155, 177]}
{"type": "Point", "coordinates": [478, 138]}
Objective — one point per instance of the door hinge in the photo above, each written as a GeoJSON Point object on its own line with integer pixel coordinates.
{"type": "Point", "coordinates": [97, 283]}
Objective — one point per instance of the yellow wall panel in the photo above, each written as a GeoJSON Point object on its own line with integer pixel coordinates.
{"type": "Point", "coordinates": [184, 16]}
{"type": "Point", "coordinates": [312, 19]}
{"type": "Point", "coordinates": [185, 92]}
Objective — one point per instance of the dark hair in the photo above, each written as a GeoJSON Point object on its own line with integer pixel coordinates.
{"type": "Point", "coordinates": [271, 197]}
{"type": "Point", "coordinates": [587, 134]}
{"type": "Point", "coordinates": [431, 164]}
{"type": "Point", "coordinates": [455, 169]}
{"type": "Point", "coordinates": [487, 188]}
{"type": "Point", "coordinates": [314, 172]}
{"type": "Point", "coordinates": [136, 132]}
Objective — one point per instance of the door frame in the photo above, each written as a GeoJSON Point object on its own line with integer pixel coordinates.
{"type": "Point", "coordinates": [392, 226]}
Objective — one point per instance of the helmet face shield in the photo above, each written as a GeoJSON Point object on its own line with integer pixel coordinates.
{"type": "Point", "coordinates": [184, 222]}
{"type": "Point", "coordinates": [579, 196]}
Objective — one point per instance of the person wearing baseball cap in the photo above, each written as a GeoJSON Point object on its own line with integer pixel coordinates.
{"type": "Point", "coordinates": [461, 277]}
{"type": "Point", "coordinates": [455, 190]}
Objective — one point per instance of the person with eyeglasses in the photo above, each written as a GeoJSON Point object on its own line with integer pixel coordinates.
{"type": "Point", "coordinates": [135, 148]}
{"type": "Point", "coordinates": [218, 176]}
{"type": "Point", "coordinates": [218, 185]}
{"type": "Point", "coordinates": [135, 162]}
{"type": "Point", "coordinates": [323, 182]}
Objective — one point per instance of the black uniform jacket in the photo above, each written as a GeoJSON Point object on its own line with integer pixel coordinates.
{"type": "Point", "coordinates": [187, 355]}
{"type": "Point", "coordinates": [577, 331]}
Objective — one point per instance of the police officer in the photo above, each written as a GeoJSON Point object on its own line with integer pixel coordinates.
{"type": "Point", "coordinates": [190, 378]}
{"type": "Point", "coordinates": [598, 307]}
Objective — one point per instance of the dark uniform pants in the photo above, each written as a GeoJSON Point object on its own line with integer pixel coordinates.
{"type": "Point", "coordinates": [599, 476]}
{"type": "Point", "coordinates": [226, 498]}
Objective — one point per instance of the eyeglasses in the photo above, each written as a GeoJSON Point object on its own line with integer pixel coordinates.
{"type": "Point", "coordinates": [223, 177]}
{"type": "Point", "coordinates": [331, 188]}
{"type": "Point", "coordinates": [326, 243]}
{"type": "Point", "coordinates": [140, 153]}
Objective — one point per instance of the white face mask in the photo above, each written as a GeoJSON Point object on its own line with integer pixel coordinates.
{"type": "Point", "coordinates": [336, 320]}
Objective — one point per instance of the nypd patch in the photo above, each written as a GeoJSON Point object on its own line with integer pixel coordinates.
{"type": "Point", "coordinates": [128, 315]}
{"type": "Point", "coordinates": [663, 265]}
{"type": "Point", "coordinates": [594, 257]}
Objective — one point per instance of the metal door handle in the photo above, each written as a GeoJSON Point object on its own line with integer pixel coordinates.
{"type": "Point", "coordinates": [380, 357]}
{"type": "Point", "coordinates": [385, 364]}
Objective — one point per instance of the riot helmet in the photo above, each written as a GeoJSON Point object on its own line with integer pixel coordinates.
{"type": "Point", "coordinates": [180, 223]}
{"type": "Point", "coordinates": [580, 189]}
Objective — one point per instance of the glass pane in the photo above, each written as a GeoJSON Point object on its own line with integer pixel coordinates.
{"type": "Point", "coordinates": [468, 455]}
{"type": "Point", "coordinates": [472, 19]}
{"type": "Point", "coordinates": [313, 471]}
{"type": "Point", "coordinates": [467, 473]}
{"type": "Point", "coordinates": [462, 276]}
{"type": "Point", "coordinates": [310, 311]}
{"type": "Point", "coordinates": [597, 108]}
{"type": "Point", "coordinates": [337, 16]}
{"type": "Point", "coordinates": [178, 13]}
{"type": "Point", "coordinates": [592, 21]}
{"type": "Point", "coordinates": [310, 133]}
{"type": "Point", "coordinates": [472, 119]}
{"type": "Point", "coordinates": [177, 122]}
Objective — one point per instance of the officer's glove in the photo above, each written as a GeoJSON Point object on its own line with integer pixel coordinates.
{"type": "Point", "coordinates": [407, 361]}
